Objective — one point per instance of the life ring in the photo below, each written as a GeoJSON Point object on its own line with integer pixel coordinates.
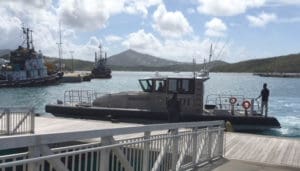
{"type": "Point", "coordinates": [232, 100]}
{"type": "Point", "coordinates": [246, 104]}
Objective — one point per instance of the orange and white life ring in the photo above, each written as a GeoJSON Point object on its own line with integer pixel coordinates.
{"type": "Point", "coordinates": [232, 100]}
{"type": "Point", "coordinates": [246, 104]}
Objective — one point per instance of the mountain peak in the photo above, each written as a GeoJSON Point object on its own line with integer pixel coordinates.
{"type": "Point", "coordinates": [131, 57]}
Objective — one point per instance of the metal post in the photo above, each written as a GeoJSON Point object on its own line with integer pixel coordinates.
{"type": "Point", "coordinates": [252, 107]}
{"type": "Point", "coordinates": [175, 148]}
{"type": "Point", "coordinates": [34, 152]}
{"type": "Point", "coordinates": [7, 111]}
{"type": "Point", "coordinates": [146, 151]}
{"type": "Point", "coordinates": [32, 116]}
{"type": "Point", "coordinates": [221, 140]}
{"type": "Point", "coordinates": [232, 109]}
{"type": "Point", "coordinates": [209, 142]}
{"type": "Point", "coordinates": [195, 139]}
{"type": "Point", "coordinates": [104, 154]}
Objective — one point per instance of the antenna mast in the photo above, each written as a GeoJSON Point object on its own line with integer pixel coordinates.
{"type": "Point", "coordinates": [194, 67]}
{"type": "Point", "coordinates": [210, 53]}
{"type": "Point", "coordinates": [28, 41]}
{"type": "Point", "coordinates": [31, 41]}
{"type": "Point", "coordinates": [100, 48]}
{"type": "Point", "coordinates": [72, 52]}
{"type": "Point", "coordinates": [60, 48]}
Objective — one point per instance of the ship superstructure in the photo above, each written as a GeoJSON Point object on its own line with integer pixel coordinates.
{"type": "Point", "coordinates": [101, 70]}
{"type": "Point", "coordinates": [26, 67]}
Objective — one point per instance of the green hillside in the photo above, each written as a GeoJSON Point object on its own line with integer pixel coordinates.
{"type": "Point", "coordinates": [79, 65]}
{"type": "Point", "coordinates": [177, 67]}
{"type": "Point", "coordinates": [288, 63]}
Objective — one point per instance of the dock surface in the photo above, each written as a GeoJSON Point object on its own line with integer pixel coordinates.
{"type": "Point", "coordinates": [269, 150]}
{"type": "Point", "coordinates": [263, 149]}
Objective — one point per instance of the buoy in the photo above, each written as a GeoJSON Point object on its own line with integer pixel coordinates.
{"type": "Point", "coordinates": [246, 104]}
{"type": "Point", "coordinates": [232, 100]}
{"type": "Point", "coordinates": [228, 127]}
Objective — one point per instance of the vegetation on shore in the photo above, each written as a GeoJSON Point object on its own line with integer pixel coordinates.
{"type": "Point", "coordinates": [285, 64]}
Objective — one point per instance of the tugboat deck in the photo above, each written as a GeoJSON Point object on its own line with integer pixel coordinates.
{"type": "Point", "coordinates": [238, 146]}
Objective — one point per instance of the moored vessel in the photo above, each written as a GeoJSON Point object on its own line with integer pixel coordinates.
{"type": "Point", "coordinates": [101, 70]}
{"type": "Point", "coordinates": [26, 67]}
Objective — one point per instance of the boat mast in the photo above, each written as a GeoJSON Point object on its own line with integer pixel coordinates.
{"type": "Point", "coordinates": [100, 49]}
{"type": "Point", "coordinates": [26, 32]}
{"type": "Point", "coordinates": [210, 53]}
{"type": "Point", "coordinates": [60, 48]}
{"type": "Point", "coordinates": [194, 67]}
{"type": "Point", "coordinates": [72, 52]}
{"type": "Point", "coordinates": [31, 41]}
{"type": "Point", "coordinates": [96, 59]}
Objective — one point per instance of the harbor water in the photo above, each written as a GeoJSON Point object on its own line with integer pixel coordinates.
{"type": "Point", "coordinates": [284, 103]}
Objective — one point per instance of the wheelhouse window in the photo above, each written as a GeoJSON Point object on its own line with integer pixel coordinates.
{"type": "Point", "coordinates": [147, 85]}
{"type": "Point", "coordinates": [160, 85]}
{"type": "Point", "coordinates": [181, 86]}
{"type": "Point", "coordinates": [172, 86]}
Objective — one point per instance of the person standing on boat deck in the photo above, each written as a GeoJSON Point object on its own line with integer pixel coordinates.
{"type": "Point", "coordinates": [160, 87]}
{"type": "Point", "coordinates": [173, 107]}
{"type": "Point", "coordinates": [264, 94]}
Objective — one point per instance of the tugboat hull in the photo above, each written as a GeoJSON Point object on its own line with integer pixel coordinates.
{"type": "Point", "coordinates": [134, 115]}
{"type": "Point", "coordinates": [51, 80]}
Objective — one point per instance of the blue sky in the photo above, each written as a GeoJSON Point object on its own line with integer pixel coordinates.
{"type": "Point", "coordinates": [173, 29]}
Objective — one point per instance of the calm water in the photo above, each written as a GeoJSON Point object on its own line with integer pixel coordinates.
{"type": "Point", "coordinates": [284, 93]}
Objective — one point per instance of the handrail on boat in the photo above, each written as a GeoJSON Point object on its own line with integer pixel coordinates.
{"type": "Point", "coordinates": [81, 97]}
{"type": "Point", "coordinates": [222, 102]}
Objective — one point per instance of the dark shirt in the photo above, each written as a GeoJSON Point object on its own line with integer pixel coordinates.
{"type": "Point", "coordinates": [265, 94]}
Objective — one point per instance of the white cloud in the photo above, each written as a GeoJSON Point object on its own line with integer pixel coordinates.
{"type": "Point", "coordinates": [9, 29]}
{"type": "Point", "coordinates": [94, 14]}
{"type": "Point", "coordinates": [113, 38]}
{"type": "Point", "coordinates": [179, 50]}
{"type": "Point", "coordinates": [140, 6]}
{"type": "Point", "coordinates": [215, 28]}
{"type": "Point", "coordinates": [142, 41]}
{"type": "Point", "coordinates": [170, 24]}
{"type": "Point", "coordinates": [88, 14]}
{"type": "Point", "coordinates": [262, 19]}
{"type": "Point", "coordinates": [227, 7]}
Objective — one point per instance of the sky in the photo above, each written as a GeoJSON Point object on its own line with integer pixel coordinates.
{"type": "Point", "coordinates": [172, 29]}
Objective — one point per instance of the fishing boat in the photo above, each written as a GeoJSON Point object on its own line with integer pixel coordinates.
{"type": "Point", "coordinates": [26, 67]}
{"type": "Point", "coordinates": [101, 70]}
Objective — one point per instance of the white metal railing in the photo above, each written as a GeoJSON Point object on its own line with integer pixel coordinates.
{"type": "Point", "coordinates": [79, 97]}
{"type": "Point", "coordinates": [222, 102]}
{"type": "Point", "coordinates": [16, 121]}
{"type": "Point", "coordinates": [176, 146]}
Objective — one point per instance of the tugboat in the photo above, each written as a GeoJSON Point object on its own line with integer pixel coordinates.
{"type": "Point", "coordinates": [101, 70]}
{"type": "Point", "coordinates": [26, 67]}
